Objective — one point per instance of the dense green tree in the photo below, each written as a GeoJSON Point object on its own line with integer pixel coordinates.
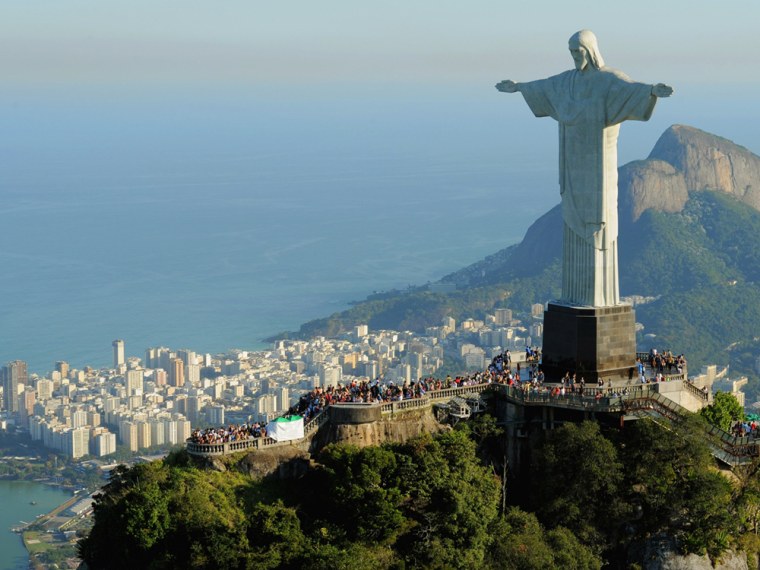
{"type": "Point", "coordinates": [209, 526]}
{"type": "Point", "coordinates": [155, 516]}
{"type": "Point", "coordinates": [576, 478]}
{"type": "Point", "coordinates": [520, 542]}
{"type": "Point", "coordinates": [363, 494]}
{"type": "Point", "coordinates": [681, 496]}
{"type": "Point", "coordinates": [724, 411]}
{"type": "Point", "coordinates": [275, 536]}
{"type": "Point", "coordinates": [453, 501]}
{"type": "Point", "coordinates": [132, 518]}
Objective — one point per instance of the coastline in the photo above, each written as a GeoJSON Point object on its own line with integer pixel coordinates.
{"type": "Point", "coordinates": [26, 504]}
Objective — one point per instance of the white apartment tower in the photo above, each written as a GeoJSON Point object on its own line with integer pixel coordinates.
{"type": "Point", "coordinates": [118, 353]}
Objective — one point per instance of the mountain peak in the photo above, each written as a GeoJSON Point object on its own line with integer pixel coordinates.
{"type": "Point", "coordinates": [686, 159]}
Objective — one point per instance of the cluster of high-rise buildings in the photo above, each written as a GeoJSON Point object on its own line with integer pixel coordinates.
{"type": "Point", "coordinates": [156, 400]}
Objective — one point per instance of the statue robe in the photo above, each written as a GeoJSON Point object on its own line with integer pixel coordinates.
{"type": "Point", "coordinates": [589, 107]}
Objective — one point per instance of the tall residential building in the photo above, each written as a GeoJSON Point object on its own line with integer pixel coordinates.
{"type": "Point", "coordinates": [330, 375]}
{"type": "Point", "coordinates": [78, 419]}
{"type": "Point", "coordinates": [143, 435]}
{"type": "Point", "coordinates": [157, 357]}
{"type": "Point", "coordinates": [118, 353]}
{"type": "Point", "coordinates": [63, 367]}
{"type": "Point", "coordinates": [156, 432]}
{"type": "Point", "coordinates": [187, 356]}
{"type": "Point", "coordinates": [266, 404]}
{"type": "Point", "coordinates": [502, 316]}
{"type": "Point", "coordinates": [177, 372]}
{"type": "Point", "coordinates": [183, 429]}
{"type": "Point", "coordinates": [360, 331]}
{"type": "Point", "coordinates": [170, 432]}
{"type": "Point", "coordinates": [215, 415]}
{"type": "Point", "coordinates": [193, 407]}
{"type": "Point", "coordinates": [104, 444]}
{"type": "Point", "coordinates": [134, 382]}
{"type": "Point", "coordinates": [128, 435]}
{"type": "Point", "coordinates": [26, 405]}
{"type": "Point", "coordinates": [11, 375]}
{"type": "Point", "coordinates": [44, 389]}
{"type": "Point", "coordinates": [193, 374]}
{"type": "Point", "coordinates": [76, 442]}
{"type": "Point", "coordinates": [160, 376]}
{"type": "Point", "coordinates": [283, 398]}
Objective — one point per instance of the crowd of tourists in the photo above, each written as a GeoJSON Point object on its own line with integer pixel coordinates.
{"type": "Point", "coordinates": [526, 376]}
{"type": "Point", "coordinates": [746, 429]}
{"type": "Point", "coordinates": [659, 361]}
{"type": "Point", "coordinates": [378, 392]}
{"type": "Point", "coordinates": [225, 434]}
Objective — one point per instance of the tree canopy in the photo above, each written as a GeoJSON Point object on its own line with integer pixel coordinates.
{"type": "Point", "coordinates": [591, 494]}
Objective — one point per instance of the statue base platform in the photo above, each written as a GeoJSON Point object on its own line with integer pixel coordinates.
{"type": "Point", "coordinates": [592, 342]}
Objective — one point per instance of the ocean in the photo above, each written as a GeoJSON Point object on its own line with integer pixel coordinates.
{"type": "Point", "coordinates": [213, 220]}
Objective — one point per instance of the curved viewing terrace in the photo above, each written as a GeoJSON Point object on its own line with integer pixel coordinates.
{"type": "Point", "coordinates": [643, 400]}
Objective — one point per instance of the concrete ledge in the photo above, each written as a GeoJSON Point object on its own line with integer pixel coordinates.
{"type": "Point", "coordinates": [354, 413]}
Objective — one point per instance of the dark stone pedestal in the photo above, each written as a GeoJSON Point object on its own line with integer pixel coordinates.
{"type": "Point", "coordinates": [591, 342]}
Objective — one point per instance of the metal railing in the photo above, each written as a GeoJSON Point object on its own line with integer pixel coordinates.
{"type": "Point", "coordinates": [639, 400]}
{"type": "Point", "coordinates": [642, 400]}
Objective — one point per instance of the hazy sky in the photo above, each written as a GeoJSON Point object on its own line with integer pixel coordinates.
{"type": "Point", "coordinates": [303, 43]}
{"type": "Point", "coordinates": [117, 114]}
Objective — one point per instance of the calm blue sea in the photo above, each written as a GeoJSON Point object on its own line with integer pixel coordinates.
{"type": "Point", "coordinates": [210, 221]}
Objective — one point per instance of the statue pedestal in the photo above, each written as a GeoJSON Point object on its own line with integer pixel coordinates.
{"type": "Point", "coordinates": [591, 342]}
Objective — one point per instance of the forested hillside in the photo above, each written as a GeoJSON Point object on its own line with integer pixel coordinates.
{"type": "Point", "coordinates": [589, 495]}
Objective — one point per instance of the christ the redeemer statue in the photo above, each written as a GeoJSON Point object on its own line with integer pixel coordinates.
{"type": "Point", "coordinates": [589, 103]}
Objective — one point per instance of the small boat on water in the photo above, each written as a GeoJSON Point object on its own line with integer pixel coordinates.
{"type": "Point", "coordinates": [32, 502]}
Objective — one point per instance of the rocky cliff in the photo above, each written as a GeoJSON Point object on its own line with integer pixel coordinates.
{"type": "Point", "coordinates": [684, 160]}
{"type": "Point", "coordinates": [398, 429]}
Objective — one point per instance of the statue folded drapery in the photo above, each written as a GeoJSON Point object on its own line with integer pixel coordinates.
{"type": "Point", "coordinates": [589, 103]}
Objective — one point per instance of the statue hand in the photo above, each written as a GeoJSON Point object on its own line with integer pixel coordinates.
{"type": "Point", "coordinates": [662, 90]}
{"type": "Point", "coordinates": [507, 86]}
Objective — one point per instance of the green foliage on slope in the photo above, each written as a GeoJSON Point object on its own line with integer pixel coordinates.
{"type": "Point", "coordinates": [589, 495]}
{"type": "Point", "coordinates": [429, 503]}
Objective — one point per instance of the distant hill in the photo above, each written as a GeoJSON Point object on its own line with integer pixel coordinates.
{"type": "Point", "coordinates": [689, 236]}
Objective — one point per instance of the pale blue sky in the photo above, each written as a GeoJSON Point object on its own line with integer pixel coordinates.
{"type": "Point", "coordinates": [253, 42]}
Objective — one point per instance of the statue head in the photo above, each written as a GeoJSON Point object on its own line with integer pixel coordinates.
{"type": "Point", "coordinates": [585, 50]}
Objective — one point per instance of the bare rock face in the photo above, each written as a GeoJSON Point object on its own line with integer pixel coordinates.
{"type": "Point", "coordinates": [399, 430]}
{"type": "Point", "coordinates": [660, 553]}
{"type": "Point", "coordinates": [710, 162]}
{"type": "Point", "coordinates": [684, 160]}
{"type": "Point", "coordinates": [652, 184]}
{"type": "Point", "coordinates": [284, 462]}
{"type": "Point", "coordinates": [673, 561]}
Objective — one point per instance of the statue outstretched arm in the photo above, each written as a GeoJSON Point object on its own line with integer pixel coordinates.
{"type": "Point", "coordinates": [661, 90]}
{"type": "Point", "coordinates": [508, 86]}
